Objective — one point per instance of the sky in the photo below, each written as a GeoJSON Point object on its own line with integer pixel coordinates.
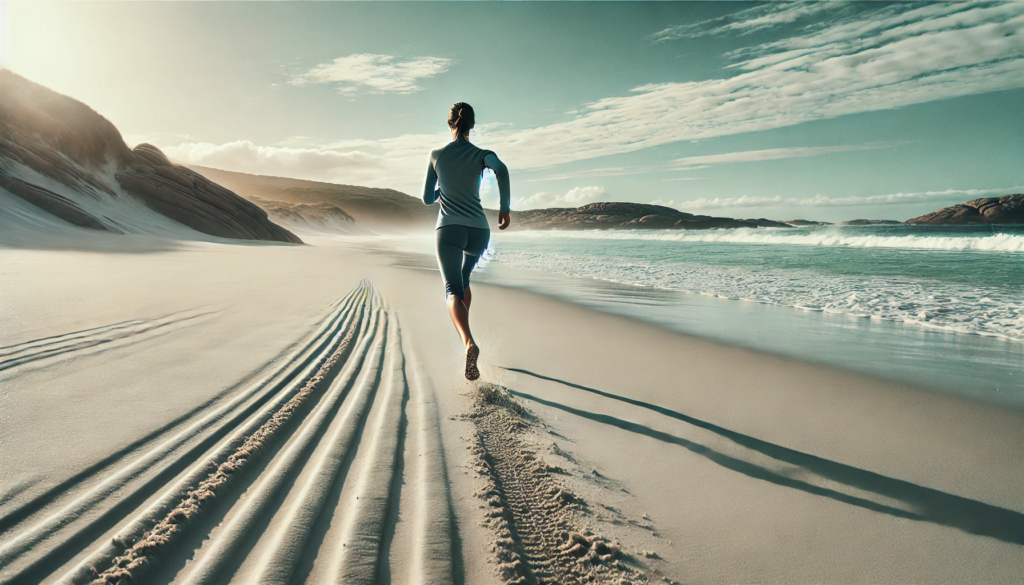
{"type": "Point", "coordinates": [816, 110]}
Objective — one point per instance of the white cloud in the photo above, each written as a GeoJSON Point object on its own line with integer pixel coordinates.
{"type": "Point", "coordinates": [154, 138]}
{"type": "Point", "coordinates": [487, 183]}
{"type": "Point", "coordinates": [397, 163]}
{"type": "Point", "coordinates": [374, 73]}
{"type": "Point", "coordinates": [574, 198]}
{"type": "Point", "coordinates": [694, 162]}
{"type": "Point", "coordinates": [951, 195]}
{"type": "Point", "coordinates": [615, 172]}
{"type": "Point", "coordinates": [301, 163]}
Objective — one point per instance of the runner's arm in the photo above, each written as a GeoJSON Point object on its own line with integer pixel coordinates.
{"type": "Point", "coordinates": [430, 191]}
{"type": "Point", "coordinates": [501, 174]}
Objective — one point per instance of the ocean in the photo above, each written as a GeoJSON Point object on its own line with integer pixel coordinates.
{"type": "Point", "coordinates": [941, 307]}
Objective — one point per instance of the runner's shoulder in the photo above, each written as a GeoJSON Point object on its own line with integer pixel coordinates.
{"type": "Point", "coordinates": [436, 153]}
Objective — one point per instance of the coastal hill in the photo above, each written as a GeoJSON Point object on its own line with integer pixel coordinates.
{"type": "Point", "coordinates": [71, 163]}
{"type": "Point", "coordinates": [1008, 209]}
{"type": "Point", "coordinates": [367, 206]}
{"type": "Point", "coordinates": [387, 208]}
{"type": "Point", "coordinates": [615, 215]}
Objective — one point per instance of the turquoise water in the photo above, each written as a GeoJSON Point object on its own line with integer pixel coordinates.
{"type": "Point", "coordinates": [938, 307]}
{"type": "Point", "coordinates": [965, 280]}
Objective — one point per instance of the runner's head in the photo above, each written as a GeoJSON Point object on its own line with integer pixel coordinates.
{"type": "Point", "coordinates": [461, 120]}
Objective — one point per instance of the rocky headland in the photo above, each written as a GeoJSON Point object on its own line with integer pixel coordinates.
{"type": "Point", "coordinates": [870, 222]}
{"type": "Point", "coordinates": [617, 215]}
{"type": "Point", "coordinates": [1008, 209]}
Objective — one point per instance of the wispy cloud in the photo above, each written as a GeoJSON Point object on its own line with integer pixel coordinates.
{"type": "Point", "coordinates": [775, 154]}
{"type": "Point", "coordinates": [351, 166]}
{"type": "Point", "coordinates": [929, 53]}
{"type": "Point", "coordinates": [371, 73]}
{"type": "Point", "coordinates": [398, 162]}
{"type": "Point", "coordinates": [574, 198]}
{"type": "Point", "coordinates": [602, 172]}
{"type": "Point", "coordinates": [764, 16]}
{"type": "Point", "coordinates": [858, 60]}
{"type": "Point", "coordinates": [616, 172]}
{"type": "Point", "coordinates": [950, 195]}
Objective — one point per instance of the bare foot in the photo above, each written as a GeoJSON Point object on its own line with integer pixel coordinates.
{"type": "Point", "coordinates": [472, 353]}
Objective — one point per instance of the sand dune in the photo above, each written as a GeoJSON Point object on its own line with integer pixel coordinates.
{"type": "Point", "coordinates": [71, 167]}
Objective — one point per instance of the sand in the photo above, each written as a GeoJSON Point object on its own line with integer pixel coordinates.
{"type": "Point", "coordinates": [197, 412]}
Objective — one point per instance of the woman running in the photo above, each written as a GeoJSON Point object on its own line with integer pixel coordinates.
{"type": "Point", "coordinates": [462, 233]}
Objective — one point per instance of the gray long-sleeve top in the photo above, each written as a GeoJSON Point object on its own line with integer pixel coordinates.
{"type": "Point", "coordinates": [453, 179]}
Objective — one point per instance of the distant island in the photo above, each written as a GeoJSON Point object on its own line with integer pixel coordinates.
{"type": "Point", "coordinates": [618, 215]}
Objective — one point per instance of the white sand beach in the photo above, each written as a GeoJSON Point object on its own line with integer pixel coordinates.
{"type": "Point", "coordinates": [278, 413]}
{"type": "Point", "coordinates": [747, 292]}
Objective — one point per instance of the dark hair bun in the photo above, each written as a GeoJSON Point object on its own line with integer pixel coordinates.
{"type": "Point", "coordinates": [461, 118]}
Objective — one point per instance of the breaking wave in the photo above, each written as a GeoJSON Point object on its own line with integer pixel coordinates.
{"type": "Point", "coordinates": [991, 311]}
{"type": "Point", "coordinates": [1000, 242]}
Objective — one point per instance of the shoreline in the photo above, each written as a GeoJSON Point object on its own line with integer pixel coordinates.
{"type": "Point", "coordinates": [673, 470]}
{"type": "Point", "coordinates": [933, 359]}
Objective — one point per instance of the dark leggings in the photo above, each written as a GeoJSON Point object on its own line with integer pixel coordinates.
{"type": "Point", "coordinates": [458, 250]}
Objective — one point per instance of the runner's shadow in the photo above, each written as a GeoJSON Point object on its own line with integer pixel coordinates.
{"type": "Point", "coordinates": [926, 504]}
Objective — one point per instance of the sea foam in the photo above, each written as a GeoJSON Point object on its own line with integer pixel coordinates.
{"type": "Point", "coordinates": [827, 237]}
{"type": "Point", "coordinates": [990, 311]}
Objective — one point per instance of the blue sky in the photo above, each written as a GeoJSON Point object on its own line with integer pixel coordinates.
{"type": "Point", "coordinates": [823, 110]}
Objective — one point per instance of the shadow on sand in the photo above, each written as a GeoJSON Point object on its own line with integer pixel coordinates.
{"type": "Point", "coordinates": [926, 504]}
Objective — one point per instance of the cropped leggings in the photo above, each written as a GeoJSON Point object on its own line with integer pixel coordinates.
{"type": "Point", "coordinates": [458, 250]}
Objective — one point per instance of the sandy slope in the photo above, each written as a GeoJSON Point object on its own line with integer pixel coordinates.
{"type": "Point", "coordinates": [63, 161]}
{"type": "Point", "coordinates": [262, 413]}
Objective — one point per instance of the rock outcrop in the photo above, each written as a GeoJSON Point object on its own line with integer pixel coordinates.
{"type": "Point", "coordinates": [317, 218]}
{"type": "Point", "coordinates": [1008, 209]}
{"type": "Point", "coordinates": [616, 215]}
{"type": "Point", "coordinates": [51, 202]}
{"type": "Point", "coordinates": [69, 161]}
{"type": "Point", "coordinates": [805, 223]}
{"type": "Point", "coordinates": [190, 198]}
{"type": "Point", "coordinates": [870, 222]}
